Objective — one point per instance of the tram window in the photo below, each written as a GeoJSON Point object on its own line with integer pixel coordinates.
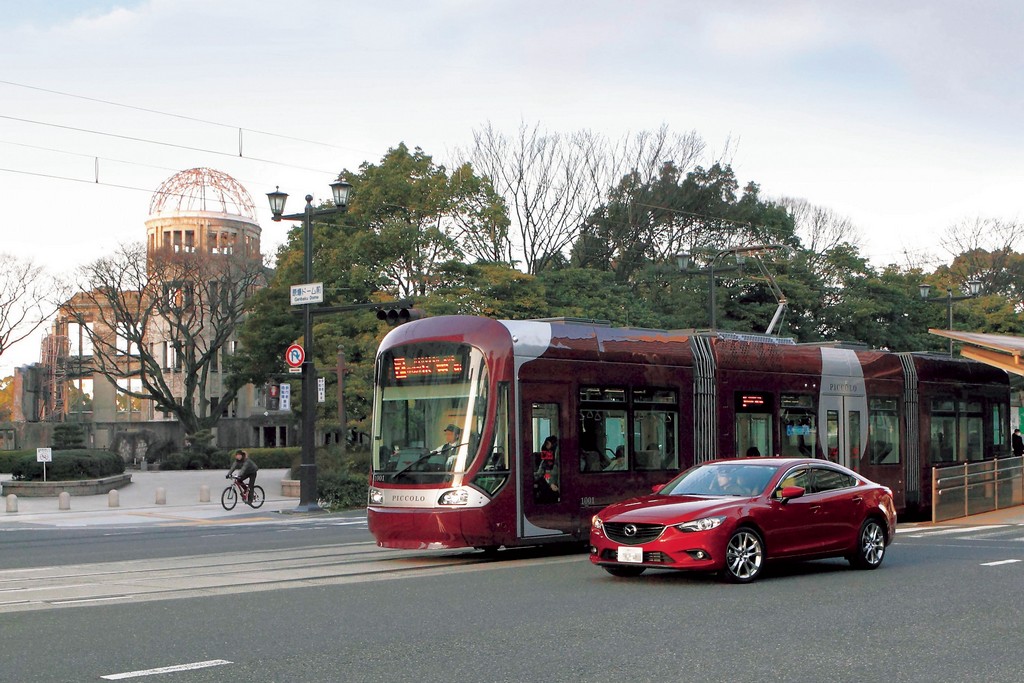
{"type": "Point", "coordinates": [655, 427]}
{"type": "Point", "coordinates": [853, 434]}
{"type": "Point", "coordinates": [546, 453]}
{"type": "Point", "coordinates": [753, 423]}
{"type": "Point", "coordinates": [998, 425]}
{"type": "Point", "coordinates": [942, 445]}
{"type": "Point", "coordinates": [971, 430]}
{"type": "Point", "coordinates": [495, 472]}
{"type": "Point", "coordinates": [798, 422]}
{"type": "Point", "coordinates": [883, 432]}
{"type": "Point", "coordinates": [832, 435]}
{"type": "Point", "coordinates": [957, 431]}
{"type": "Point", "coordinates": [602, 429]}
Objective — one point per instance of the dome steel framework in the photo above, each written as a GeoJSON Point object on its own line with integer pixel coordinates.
{"type": "Point", "coordinates": [202, 189]}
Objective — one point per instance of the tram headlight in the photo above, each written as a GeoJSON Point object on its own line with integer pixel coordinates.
{"type": "Point", "coordinates": [376, 497]}
{"type": "Point", "coordinates": [454, 497]}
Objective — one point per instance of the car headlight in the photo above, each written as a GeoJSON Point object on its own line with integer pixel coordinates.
{"type": "Point", "coordinates": [596, 523]}
{"type": "Point", "coordinates": [376, 497]}
{"type": "Point", "coordinates": [454, 497]}
{"type": "Point", "coordinates": [703, 524]}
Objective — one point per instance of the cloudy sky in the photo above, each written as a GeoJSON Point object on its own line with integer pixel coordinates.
{"type": "Point", "coordinates": [903, 117]}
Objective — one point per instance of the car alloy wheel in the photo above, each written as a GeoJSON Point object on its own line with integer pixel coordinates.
{"type": "Point", "coordinates": [870, 545]}
{"type": "Point", "coordinates": [744, 556]}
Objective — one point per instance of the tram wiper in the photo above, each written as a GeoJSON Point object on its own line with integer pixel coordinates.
{"type": "Point", "coordinates": [412, 464]}
{"type": "Point", "coordinates": [426, 456]}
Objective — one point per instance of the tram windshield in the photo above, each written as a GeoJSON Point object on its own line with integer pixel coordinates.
{"type": "Point", "coordinates": [429, 410]}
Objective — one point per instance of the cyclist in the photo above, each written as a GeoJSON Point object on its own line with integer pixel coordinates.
{"type": "Point", "coordinates": [246, 470]}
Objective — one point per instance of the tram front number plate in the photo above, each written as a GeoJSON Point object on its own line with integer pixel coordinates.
{"type": "Point", "coordinates": [630, 555]}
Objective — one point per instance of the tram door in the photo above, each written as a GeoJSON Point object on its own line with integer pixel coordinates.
{"type": "Point", "coordinates": [842, 419]}
{"type": "Point", "coordinates": [545, 508]}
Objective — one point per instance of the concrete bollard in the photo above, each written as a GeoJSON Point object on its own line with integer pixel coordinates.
{"type": "Point", "coordinates": [12, 502]}
{"type": "Point", "coordinates": [204, 494]}
{"type": "Point", "coordinates": [113, 498]}
{"type": "Point", "coordinates": [161, 495]}
{"type": "Point", "coordinates": [64, 501]}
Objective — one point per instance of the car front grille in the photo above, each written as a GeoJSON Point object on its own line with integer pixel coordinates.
{"type": "Point", "coordinates": [638, 533]}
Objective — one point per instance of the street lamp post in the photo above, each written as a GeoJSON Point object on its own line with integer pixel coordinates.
{"type": "Point", "coordinates": [307, 473]}
{"type": "Point", "coordinates": [683, 264]}
{"type": "Point", "coordinates": [974, 288]}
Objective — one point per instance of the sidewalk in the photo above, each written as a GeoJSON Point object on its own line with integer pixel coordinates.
{"type": "Point", "coordinates": [1014, 515]}
{"type": "Point", "coordinates": [137, 502]}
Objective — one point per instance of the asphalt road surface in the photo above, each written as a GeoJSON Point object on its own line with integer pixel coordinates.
{"type": "Point", "coordinates": [315, 600]}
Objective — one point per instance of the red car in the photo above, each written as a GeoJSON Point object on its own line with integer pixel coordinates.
{"type": "Point", "coordinates": [731, 516]}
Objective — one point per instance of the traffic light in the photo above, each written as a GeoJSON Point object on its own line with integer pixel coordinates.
{"type": "Point", "coordinates": [397, 316]}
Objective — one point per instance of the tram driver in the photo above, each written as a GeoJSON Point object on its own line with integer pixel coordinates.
{"type": "Point", "coordinates": [450, 447]}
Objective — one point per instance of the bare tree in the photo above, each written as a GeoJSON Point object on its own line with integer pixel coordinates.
{"type": "Point", "coordinates": [547, 181]}
{"type": "Point", "coordinates": [984, 249]}
{"type": "Point", "coordinates": [161, 323]}
{"type": "Point", "coordinates": [25, 300]}
{"type": "Point", "coordinates": [820, 229]}
{"type": "Point", "coordinates": [554, 183]}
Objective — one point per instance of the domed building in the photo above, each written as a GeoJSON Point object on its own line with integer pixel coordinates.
{"type": "Point", "coordinates": [205, 210]}
{"type": "Point", "coordinates": [202, 262]}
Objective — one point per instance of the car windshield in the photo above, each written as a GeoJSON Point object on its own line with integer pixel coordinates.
{"type": "Point", "coordinates": [721, 479]}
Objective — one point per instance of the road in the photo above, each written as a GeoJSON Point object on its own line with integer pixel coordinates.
{"type": "Point", "coordinates": [315, 600]}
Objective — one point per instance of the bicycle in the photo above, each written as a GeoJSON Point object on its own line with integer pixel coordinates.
{"type": "Point", "coordinates": [236, 490]}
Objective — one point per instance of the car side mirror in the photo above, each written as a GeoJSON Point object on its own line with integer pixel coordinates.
{"type": "Point", "coordinates": [789, 492]}
{"type": "Point", "coordinates": [657, 487]}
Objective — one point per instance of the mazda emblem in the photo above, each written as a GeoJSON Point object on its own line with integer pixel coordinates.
{"type": "Point", "coordinates": [629, 530]}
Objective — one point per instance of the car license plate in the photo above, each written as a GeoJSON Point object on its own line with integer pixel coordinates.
{"type": "Point", "coordinates": [635, 555]}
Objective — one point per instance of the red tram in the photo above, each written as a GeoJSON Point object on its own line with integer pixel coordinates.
{"type": "Point", "coordinates": [462, 406]}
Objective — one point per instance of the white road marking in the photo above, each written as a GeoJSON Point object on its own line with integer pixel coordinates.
{"type": "Point", "coordinates": [996, 564]}
{"type": "Point", "coordinates": [957, 530]}
{"type": "Point", "coordinates": [81, 601]}
{"type": "Point", "coordinates": [166, 669]}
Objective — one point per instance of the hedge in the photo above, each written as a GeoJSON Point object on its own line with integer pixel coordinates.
{"type": "Point", "coordinates": [268, 458]}
{"type": "Point", "coordinates": [8, 459]}
{"type": "Point", "coordinates": [69, 465]}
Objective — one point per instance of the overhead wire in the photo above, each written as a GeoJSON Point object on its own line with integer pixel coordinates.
{"type": "Point", "coordinates": [96, 180]}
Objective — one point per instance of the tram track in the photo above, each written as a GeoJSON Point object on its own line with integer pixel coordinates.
{"type": "Point", "coordinates": [155, 579]}
{"type": "Point", "coordinates": [41, 588]}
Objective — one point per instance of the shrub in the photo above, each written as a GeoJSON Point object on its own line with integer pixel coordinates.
{"type": "Point", "coordinates": [68, 435]}
{"type": "Point", "coordinates": [341, 477]}
{"type": "Point", "coordinates": [8, 459]}
{"type": "Point", "coordinates": [337, 490]}
{"type": "Point", "coordinates": [188, 461]}
{"type": "Point", "coordinates": [69, 466]}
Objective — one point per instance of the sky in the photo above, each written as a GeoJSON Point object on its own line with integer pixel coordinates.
{"type": "Point", "coordinates": [902, 117]}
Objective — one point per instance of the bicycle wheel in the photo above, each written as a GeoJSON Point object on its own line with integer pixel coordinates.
{"type": "Point", "coordinates": [257, 496]}
{"type": "Point", "coordinates": [229, 499]}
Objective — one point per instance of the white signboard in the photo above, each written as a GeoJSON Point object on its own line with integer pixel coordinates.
{"type": "Point", "coordinates": [44, 455]}
{"type": "Point", "coordinates": [312, 293]}
{"type": "Point", "coordinates": [321, 390]}
{"type": "Point", "coordinates": [285, 397]}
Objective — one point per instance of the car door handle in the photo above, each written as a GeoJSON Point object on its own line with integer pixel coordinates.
{"type": "Point", "coordinates": [858, 500]}
{"type": "Point", "coordinates": [814, 508]}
